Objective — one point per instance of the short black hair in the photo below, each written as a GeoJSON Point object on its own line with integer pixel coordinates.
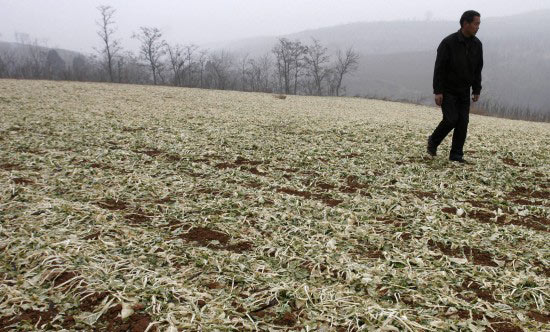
{"type": "Point", "coordinates": [468, 16]}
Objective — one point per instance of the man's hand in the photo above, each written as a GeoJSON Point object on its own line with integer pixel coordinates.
{"type": "Point", "coordinates": [439, 99]}
{"type": "Point", "coordinates": [475, 98]}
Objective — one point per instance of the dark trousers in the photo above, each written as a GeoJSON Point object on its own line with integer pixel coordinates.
{"type": "Point", "coordinates": [456, 115]}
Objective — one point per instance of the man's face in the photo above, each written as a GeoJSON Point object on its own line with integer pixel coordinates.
{"type": "Point", "coordinates": [471, 28]}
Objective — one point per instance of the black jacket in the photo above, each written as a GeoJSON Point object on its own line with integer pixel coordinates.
{"type": "Point", "coordinates": [458, 65]}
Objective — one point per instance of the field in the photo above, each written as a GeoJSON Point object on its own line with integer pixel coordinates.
{"type": "Point", "coordinates": [133, 208]}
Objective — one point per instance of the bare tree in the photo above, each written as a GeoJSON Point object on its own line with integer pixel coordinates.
{"type": "Point", "coordinates": [33, 63]}
{"type": "Point", "coordinates": [8, 63]}
{"type": "Point", "coordinates": [345, 64]}
{"type": "Point", "coordinates": [111, 47]}
{"type": "Point", "coordinates": [243, 68]}
{"type": "Point", "coordinates": [258, 73]}
{"type": "Point", "coordinates": [219, 68]}
{"type": "Point", "coordinates": [80, 68]}
{"type": "Point", "coordinates": [175, 57]}
{"type": "Point", "coordinates": [284, 55]}
{"type": "Point", "coordinates": [298, 52]}
{"type": "Point", "coordinates": [151, 49]}
{"type": "Point", "coordinates": [316, 58]}
{"type": "Point", "coordinates": [203, 58]}
{"type": "Point", "coordinates": [265, 64]}
{"type": "Point", "coordinates": [189, 50]}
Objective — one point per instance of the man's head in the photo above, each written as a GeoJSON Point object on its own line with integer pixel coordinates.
{"type": "Point", "coordinates": [469, 23]}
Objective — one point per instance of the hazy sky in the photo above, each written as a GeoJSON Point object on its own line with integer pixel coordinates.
{"type": "Point", "coordinates": [70, 24]}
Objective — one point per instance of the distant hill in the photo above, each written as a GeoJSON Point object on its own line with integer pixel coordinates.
{"type": "Point", "coordinates": [397, 57]}
{"type": "Point", "coordinates": [20, 49]}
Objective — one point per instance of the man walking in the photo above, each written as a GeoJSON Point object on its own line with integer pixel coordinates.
{"type": "Point", "coordinates": [457, 69]}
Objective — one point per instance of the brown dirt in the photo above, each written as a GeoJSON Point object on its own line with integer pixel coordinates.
{"type": "Point", "coordinates": [240, 247]}
{"type": "Point", "coordinates": [131, 130]}
{"type": "Point", "coordinates": [545, 270]}
{"type": "Point", "coordinates": [474, 255]}
{"type": "Point", "coordinates": [471, 286]}
{"type": "Point", "coordinates": [150, 152]}
{"type": "Point", "coordinates": [332, 202]}
{"type": "Point", "coordinates": [137, 322]}
{"type": "Point", "coordinates": [31, 316]}
{"type": "Point", "coordinates": [480, 257]}
{"type": "Point", "coordinates": [487, 217]}
{"type": "Point", "coordinates": [173, 157]}
{"type": "Point", "coordinates": [254, 170]}
{"type": "Point", "coordinates": [541, 318]}
{"type": "Point", "coordinates": [510, 161]}
{"type": "Point", "coordinates": [522, 201]}
{"type": "Point", "coordinates": [22, 181]}
{"type": "Point", "coordinates": [101, 166]}
{"type": "Point", "coordinates": [196, 175]}
{"type": "Point", "coordinates": [519, 191]}
{"type": "Point", "coordinates": [165, 200]}
{"type": "Point", "coordinates": [224, 165]}
{"type": "Point", "coordinates": [352, 181]}
{"type": "Point", "coordinates": [373, 253]}
{"type": "Point", "coordinates": [395, 223]}
{"type": "Point", "coordinates": [63, 277]}
{"type": "Point", "coordinates": [254, 185]}
{"type": "Point", "coordinates": [449, 210]}
{"type": "Point", "coordinates": [68, 322]}
{"type": "Point", "coordinates": [214, 285]}
{"type": "Point", "coordinates": [209, 191]}
{"type": "Point", "coordinates": [406, 237]}
{"type": "Point", "coordinates": [288, 319]}
{"type": "Point", "coordinates": [424, 194]}
{"type": "Point", "coordinates": [112, 204]}
{"type": "Point", "coordinates": [351, 155]}
{"type": "Point", "coordinates": [261, 311]}
{"type": "Point", "coordinates": [502, 325]}
{"type": "Point", "coordinates": [92, 300]}
{"type": "Point", "coordinates": [11, 167]}
{"type": "Point", "coordinates": [241, 161]}
{"type": "Point", "coordinates": [288, 170]}
{"type": "Point", "coordinates": [324, 198]}
{"type": "Point", "coordinates": [541, 194]}
{"type": "Point", "coordinates": [522, 192]}
{"type": "Point", "coordinates": [203, 236]}
{"type": "Point", "coordinates": [532, 222]}
{"type": "Point", "coordinates": [137, 218]}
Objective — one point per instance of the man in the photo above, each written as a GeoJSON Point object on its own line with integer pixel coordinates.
{"type": "Point", "coordinates": [457, 69]}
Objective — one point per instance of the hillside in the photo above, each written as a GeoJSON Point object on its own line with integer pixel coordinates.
{"type": "Point", "coordinates": [125, 207]}
{"type": "Point", "coordinates": [23, 50]}
{"type": "Point", "coordinates": [397, 57]}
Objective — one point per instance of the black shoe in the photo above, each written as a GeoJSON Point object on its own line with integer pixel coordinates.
{"type": "Point", "coordinates": [459, 160]}
{"type": "Point", "coordinates": [431, 149]}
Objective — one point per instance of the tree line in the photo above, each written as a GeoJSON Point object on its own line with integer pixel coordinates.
{"type": "Point", "coordinates": [292, 67]}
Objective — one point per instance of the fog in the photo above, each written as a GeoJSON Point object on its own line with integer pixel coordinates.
{"type": "Point", "coordinates": [70, 24]}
